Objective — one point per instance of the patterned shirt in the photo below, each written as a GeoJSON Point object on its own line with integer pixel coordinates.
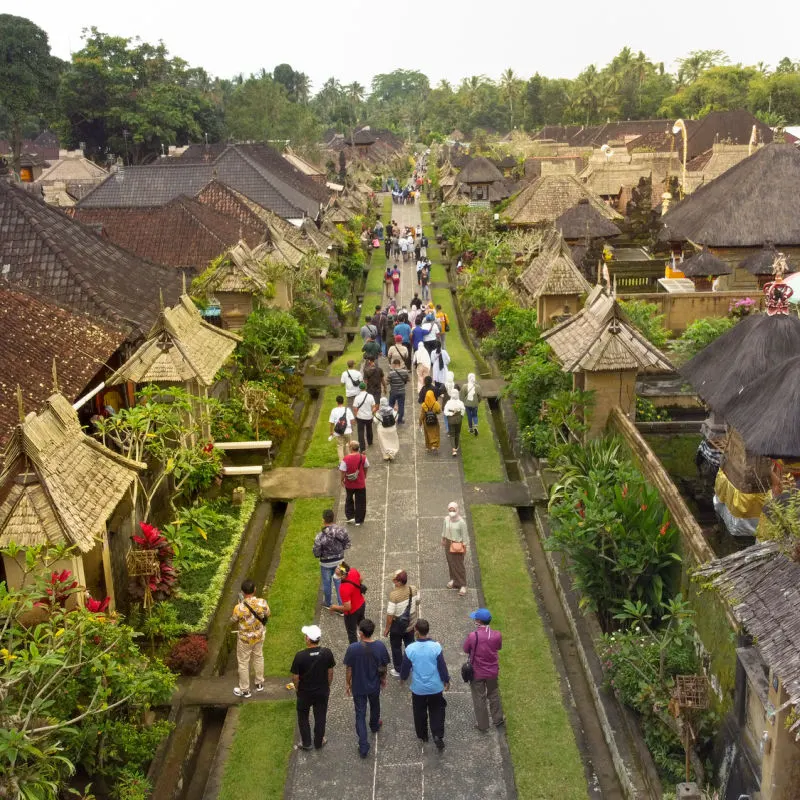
{"type": "Point", "coordinates": [250, 629]}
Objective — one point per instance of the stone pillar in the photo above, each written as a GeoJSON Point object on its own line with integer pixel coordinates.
{"type": "Point", "coordinates": [687, 791]}
{"type": "Point", "coordinates": [611, 390]}
{"type": "Point", "coordinates": [780, 763]}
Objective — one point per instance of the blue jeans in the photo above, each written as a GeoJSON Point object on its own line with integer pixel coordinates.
{"type": "Point", "coordinates": [360, 703]}
{"type": "Point", "coordinates": [400, 399]}
{"type": "Point", "coordinates": [472, 417]}
{"type": "Point", "coordinates": [329, 573]}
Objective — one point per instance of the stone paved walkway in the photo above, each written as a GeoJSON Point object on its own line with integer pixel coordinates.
{"type": "Point", "coordinates": [406, 504]}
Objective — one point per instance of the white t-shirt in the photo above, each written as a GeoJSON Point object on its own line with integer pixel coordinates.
{"type": "Point", "coordinates": [431, 331]}
{"type": "Point", "coordinates": [351, 378]}
{"type": "Point", "coordinates": [362, 405]}
{"type": "Point", "coordinates": [339, 412]}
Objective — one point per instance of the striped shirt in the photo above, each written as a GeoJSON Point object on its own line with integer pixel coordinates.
{"type": "Point", "coordinates": [398, 600]}
{"type": "Point", "coordinates": [398, 378]}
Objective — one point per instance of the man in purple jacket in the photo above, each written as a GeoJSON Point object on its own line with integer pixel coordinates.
{"type": "Point", "coordinates": [483, 645]}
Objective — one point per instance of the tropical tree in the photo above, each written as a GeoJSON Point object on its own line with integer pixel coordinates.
{"type": "Point", "coordinates": [28, 77]}
{"type": "Point", "coordinates": [510, 87]}
{"type": "Point", "coordinates": [698, 61]}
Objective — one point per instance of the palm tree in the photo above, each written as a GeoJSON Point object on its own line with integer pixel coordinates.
{"type": "Point", "coordinates": [509, 84]}
{"type": "Point", "coordinates": [355, 96]}
{"type": "Point", "coordinates": [587, 92]}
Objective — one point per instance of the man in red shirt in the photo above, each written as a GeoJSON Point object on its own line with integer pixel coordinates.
{"type": "Point", "coordinates": [353, 605]}
{"type": "Point", "coordinates": [354, 468]}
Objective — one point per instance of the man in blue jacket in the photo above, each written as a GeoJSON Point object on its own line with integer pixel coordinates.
{"type": "Point", "coordinates": [424, 661]}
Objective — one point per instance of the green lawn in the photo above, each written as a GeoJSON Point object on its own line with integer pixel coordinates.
{"type": "Point", "coordinates": [461, 360]}
{"type": "Point", "coordinates": [543, 749]}
{"type": "Point", "coordinates": [292, 596]}
{"type": "Point", "coordinates": [259, 758]}
{"type": "Point", "coordinates": [480, 454]}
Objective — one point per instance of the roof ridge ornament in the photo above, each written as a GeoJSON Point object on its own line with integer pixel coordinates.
{"type": "Point", "coordinates": [777, 292]}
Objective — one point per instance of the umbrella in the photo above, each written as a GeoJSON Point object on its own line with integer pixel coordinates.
{"type": "Point", "coordinates": [794, 281]}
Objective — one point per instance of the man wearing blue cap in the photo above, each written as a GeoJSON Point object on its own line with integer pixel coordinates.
{"type": "Point", "coordinates": [482, 646]}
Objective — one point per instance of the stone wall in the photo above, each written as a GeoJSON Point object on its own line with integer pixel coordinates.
{"type": "Point", "coordinates": [682, 309]}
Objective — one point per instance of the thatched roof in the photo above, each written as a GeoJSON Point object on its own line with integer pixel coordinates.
{"type": "Point", "coordinates": [761, 262]}
{"type": "Point", "coordinates": [180, 347]}
{"type": "Point", "coordinates": [239, 271]}
{"type": "Point", "coordinates": [480, 170]}
{"type": "Point", "coordinates": [58, 484]}
{"type": "Point", "coordinates": [553, 272]}
{"type": "Point", "coordinates": [704, 263]}
{"type": "Point", "coordinates": [762, 586]}
{"type": "Point", "coordinates": [548, 197]}
{"type": "Point", "coordinates": [765, 412]}
{"type": "Point", "coordinates": [599, 338]}
{"type": "Point", "coordinates": [753, 201]}
{"type": "Point", "coordinates": [610, 179]}
{"type": "Point", "coordinates": [585, 221]}
{"type": "Point", "coordinates": [740, 356]}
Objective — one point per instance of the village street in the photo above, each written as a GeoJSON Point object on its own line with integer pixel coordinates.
{"type": "Point", "coordinates": [406, 503]}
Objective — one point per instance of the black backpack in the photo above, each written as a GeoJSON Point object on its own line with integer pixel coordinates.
{"type": "Point", "coordinates": [340, 426]}
{"type": "Point", "coordinates": [388, 420]}
{"type": "Point", "coordinates": [430, 418]}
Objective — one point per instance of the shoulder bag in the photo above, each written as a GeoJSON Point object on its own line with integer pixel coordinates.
{"type": "Point", "coordinates": [263, 620]}
{"type": "Point", "coordinates": [457, 548]}
{"type": "Point", "coordinates": [353, 476]}
{"type": "Point", "coordinates": [400, 624]}
{"type": "Point", "coordinates": [467, 670]}
{"type": "Point", "coordinates": [381, 667]}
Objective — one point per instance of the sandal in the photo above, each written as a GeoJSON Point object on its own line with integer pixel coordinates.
{"type": "Point", "coordinates": [462, 591]}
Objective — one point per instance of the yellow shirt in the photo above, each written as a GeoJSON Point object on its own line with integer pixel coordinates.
{"type": "Point", "coordinates": [250, 629]}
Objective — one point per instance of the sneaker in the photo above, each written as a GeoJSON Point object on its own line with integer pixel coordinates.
{"type": "Point", "coordinates": [502, 722]}
{"type": "Point", "coordinates": [451, 584]}
{"type": "Point", "coordinates": [324, 742]}
{"type": "Point", "coordinates": [455, 452]}
{"type": "Point", "coordinates": [239, 693]}
{"type": "Point", "coordinates": [380, 725]}
{"type": "Point", "coordinates": [259, 687]}
{"type": "Point", "coordinates": [462, 591]}
{"type": "Point", "coordinates": [363, 754]}
{"type": "Point", "coordinates": [475, 431]}
{"type": "Point", "coordinates": [351, 521]}
{"type": "Point", "coordinates": [439, 742]}
{"type": "Point", "coordinates": [358, 524]}
{"type": "Point", "coordinates": [394, 673]}
{"type": "Point", "coordinates": [303, 747]}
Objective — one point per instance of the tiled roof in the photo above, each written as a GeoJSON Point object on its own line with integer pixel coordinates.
{"type": "Point", "coordinates": [180, 347]}
{"type": "Point", "coordinates": [599, 339]}
{"type": "Point", "coordinates": [63, 261]}
{"type": "Point", "coordinates": [35, 333]}
{"type": "Point", "coordinates": [257, 171]}
{"type": "Point", "coordinates": [58, 484]}
{"type": "Point", "coordinates": [553, 272]}
{"type": "Point", "coordinates": [182, 233]}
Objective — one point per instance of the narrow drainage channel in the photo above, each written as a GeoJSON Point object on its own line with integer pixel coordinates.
{"type": "Point", "coordinates": [213, 717]}
{"type": "Point", "coordinates": [601, 775]}
{"type": "Point", "coordinates": [512, 467]}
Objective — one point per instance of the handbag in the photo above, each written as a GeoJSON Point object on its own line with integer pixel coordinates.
{"type": "Point", "coordinates": [467, 670]}
{"type": "Point", "coordinates": [400, 624]}
{"type": "Point", "coordinates": [458, 548]}
{"type": "Point", "coordinates": [353, 476]}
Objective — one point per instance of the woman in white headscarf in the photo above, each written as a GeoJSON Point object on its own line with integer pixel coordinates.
{"type": "Point", "coordinates": [454, 541]}
{"type": "Point", "coordinates": [386, 424]}
{"type": "Point", "coordinates": [471, 397]}
{"type": "Point", "coordinates": [422, 361]}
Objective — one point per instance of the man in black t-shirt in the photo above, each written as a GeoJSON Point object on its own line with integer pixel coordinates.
{"type": "Point", "coordinates": [312, 673]}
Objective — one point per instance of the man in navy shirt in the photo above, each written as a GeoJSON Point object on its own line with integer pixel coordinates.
{"type": "Point", "coordinates": [366, 661]}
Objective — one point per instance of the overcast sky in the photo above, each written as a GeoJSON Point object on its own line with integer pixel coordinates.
{"type": "Point", "coordinates": [355, 39]}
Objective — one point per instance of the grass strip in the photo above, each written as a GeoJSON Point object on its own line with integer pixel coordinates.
{"type": "Point", "coordinates": [480, 455]}
{"type": "Point", "coordinates": [258, 762]}
{"type": "Point", "coordinates": [543, 748]}
{"type": "Point", "coordinates": [292, 596]}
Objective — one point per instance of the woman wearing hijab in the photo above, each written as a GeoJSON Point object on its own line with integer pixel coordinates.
{"type": "Point", "coordinates": [386, 422]}
{"type": "Point", "coordinates": [454, 412]}
{"type": "Point", "coordinates": [471, 396]}
{"type": "Point", "coordinates": [440, 360]}
{"type": "Point", "coordinates": [454, 541]}
{"type": "Point", "coordinates": [422, 360]}
{"type": "Point", "coordinates": [429, 421]}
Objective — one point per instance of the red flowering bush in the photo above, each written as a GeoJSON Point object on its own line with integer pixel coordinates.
{"type": "Point", "coordinates": [162, 583]}
{"type": "Point", "coordinates": [58, 589]}
{"type": "Point", "coordinates": [97, 606]}
{"type": "Point", "coordinates": [482, 322]}
{"type": "Point", "coordinates": [188, 654]}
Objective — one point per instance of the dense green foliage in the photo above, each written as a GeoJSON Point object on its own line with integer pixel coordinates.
{"type": "Point", "coordinates": [645, 317]}
{"type": "Point", "coordinates": [75, 685]}
{"type": "Point", "coordinates": [614, 528]}
{"type": "Point", "coordinates": [699, 334]}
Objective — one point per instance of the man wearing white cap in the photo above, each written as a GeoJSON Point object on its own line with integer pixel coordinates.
{"type": "Point", "coordinates": [312, 673]}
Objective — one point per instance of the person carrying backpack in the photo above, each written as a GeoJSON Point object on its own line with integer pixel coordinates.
{"type": "Point", "coordinates": [353, 468]}
{"type": "Point", "coordinates": [353, 605]}
{"type": "Point", "coordinates": [329, 546]}
{"type": "Point", "coordinates": [341, 425]}
{"type": "Point", "coordinates": [386, 419]}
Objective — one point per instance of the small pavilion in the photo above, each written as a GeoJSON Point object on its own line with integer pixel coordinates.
{"type": "Point", "coordinates": [702, 267]}
{"type": "Point", "coordinates": [479, 175]}
{"type": "Point", "coordinates": [59, 486]}
{"type": "Point", "coordinates": [605, 353]}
